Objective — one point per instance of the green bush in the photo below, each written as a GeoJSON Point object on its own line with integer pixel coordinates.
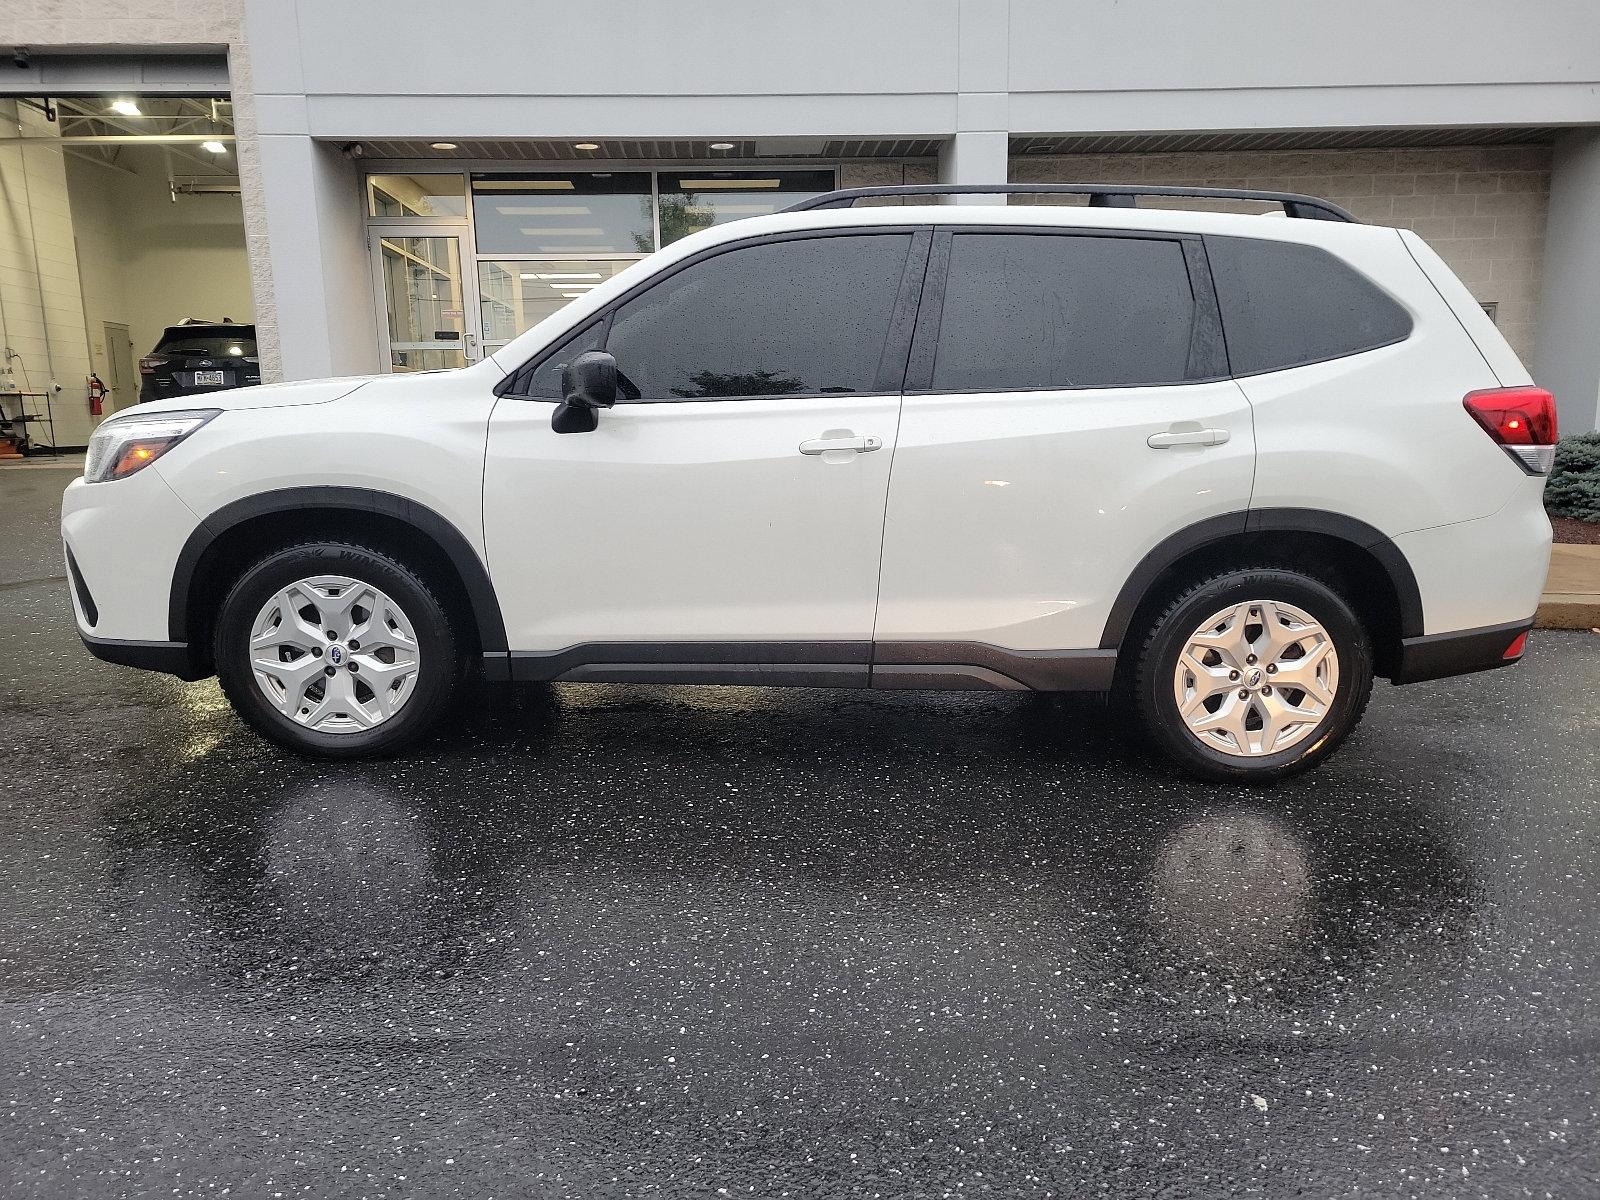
{"type": "Point", "coordinates": [1574, 486]}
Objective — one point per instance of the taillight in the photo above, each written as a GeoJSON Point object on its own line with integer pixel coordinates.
{"type": "Point", "coordinates": [1522, 419]}
{"type": "Point", "coordinates": [147, 366]}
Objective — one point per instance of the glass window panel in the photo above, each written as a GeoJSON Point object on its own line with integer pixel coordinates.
{"type": "Point", "coordinates": [696, 200]}
{"type": "Point", "coordinates": [416, 196]}
{"type": "Point", "coordinates": [515, 295]}
{"type": "Point", "coordinates": [573, 213]}
{"type": "Point", "coordinates": [799, 317]}
{"type": "Point", "coordinates": [423, 296]}
{"type": "Point", "coordinates": [1284, 304]}
{"type": "Point", "coordinates": [1028, 311]}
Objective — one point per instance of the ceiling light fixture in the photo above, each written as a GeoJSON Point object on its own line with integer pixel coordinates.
{"type": "Point", "coordinates": [722, 145]}
{"type": "Point", "coordinates": [213, 147]}
{"type": "Point", "coordinates": [586, 145]}
{"type": "Point", "coordinates": [443, 145]}
{"type": "Point", "coordinates": [126, 108]}
{"type": "Point", "coordinates": [727, 185]}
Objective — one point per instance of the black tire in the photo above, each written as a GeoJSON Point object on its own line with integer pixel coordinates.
{"type": "Point", "coordinates": [1169, 632]}
{"type": "Point", "coordinates": [439, 650]}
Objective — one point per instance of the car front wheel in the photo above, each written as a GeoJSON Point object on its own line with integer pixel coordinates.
{"type": "Point", "coordinates": [1253, 675]}
{"type": "Point", "coordinates": [336, 650]}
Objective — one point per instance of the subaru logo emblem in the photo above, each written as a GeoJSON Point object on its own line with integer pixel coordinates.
{"type": "Point", "coordinates": [1251, 680]}
{"type": "Point", "coordinates": [335, 655]}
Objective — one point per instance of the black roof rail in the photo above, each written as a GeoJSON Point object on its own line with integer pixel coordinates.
{"type": "Point", "coordinates": [1101, 195]}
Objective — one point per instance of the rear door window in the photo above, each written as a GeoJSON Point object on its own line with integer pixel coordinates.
{"type": "Point", "coordinates": [1053, 311]}
{"type": "Point", "coordinates": [1285, 304]}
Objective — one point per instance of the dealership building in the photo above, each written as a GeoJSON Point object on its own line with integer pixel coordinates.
{"type": "Point", "coordinates": [393, 186]}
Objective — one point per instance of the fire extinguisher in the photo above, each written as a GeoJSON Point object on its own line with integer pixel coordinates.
{"type": "Point", "coordinates": [97, 395]}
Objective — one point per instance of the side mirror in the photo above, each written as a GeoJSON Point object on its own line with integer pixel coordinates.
{"type": "Point", "coordinates": [588, 384]}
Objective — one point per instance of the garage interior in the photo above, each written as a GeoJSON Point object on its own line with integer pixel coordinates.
{"type": "Point", "coordinates": [120, 215]}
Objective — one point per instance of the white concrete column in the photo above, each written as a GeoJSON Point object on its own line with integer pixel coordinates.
{"type": "Point", "coordinates": [978, 152]}
{"type": "Point", "coordinates": [321, 272]}
{"type": "Point", "coordinates": [974, 156]}
{"type": "Point", "coordinates": [1567, 360]}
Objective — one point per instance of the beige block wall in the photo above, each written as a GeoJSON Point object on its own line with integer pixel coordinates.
{"type": "Point", "coordinates": [41, 304]}
{"type": "Point", "coordinates": [1482, 209]}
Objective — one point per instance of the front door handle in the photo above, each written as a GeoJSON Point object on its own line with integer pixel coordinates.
{"type": "Point", "coordinates": [1187, 437]}
{"type": "Point", "coordinates": [840, 440]}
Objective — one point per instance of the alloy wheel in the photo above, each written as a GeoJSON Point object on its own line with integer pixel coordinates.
{"type": "Point", "coordinates": [334, 654]}
{"type": "Point", "coordinates": [1256, 678]}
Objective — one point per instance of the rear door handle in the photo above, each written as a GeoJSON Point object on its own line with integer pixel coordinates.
{"type": "Point", "coordinates": [822, 445]}
{"type": "Point", "coordinates": [1187, 437]}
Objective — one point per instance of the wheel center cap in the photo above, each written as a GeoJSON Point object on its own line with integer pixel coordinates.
{"type": "Point", "coordinates": [337, 654]}
{"type": "Point", "coordinates": [1252, 677]}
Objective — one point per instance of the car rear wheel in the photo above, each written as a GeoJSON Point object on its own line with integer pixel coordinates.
{"type": "Point", "coordinates": [336, 650]}
{"type": "Point", "coordinates": [1253, 675]}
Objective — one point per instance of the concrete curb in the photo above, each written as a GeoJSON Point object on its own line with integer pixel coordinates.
{"type": "Point", "coordinates": [1572, 596]}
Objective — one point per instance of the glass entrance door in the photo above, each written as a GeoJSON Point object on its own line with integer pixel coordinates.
{"type": "Point", "coordinates": [430, 313]}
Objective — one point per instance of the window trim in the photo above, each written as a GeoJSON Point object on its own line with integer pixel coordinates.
{"type": "Point", "coordinates": [891, 363]}
{"type": "Point", "coordinates": [1207, 360]}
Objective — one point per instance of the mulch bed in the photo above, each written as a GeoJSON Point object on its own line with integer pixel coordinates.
{"type": "Point", "coordinates": [1574, 532]}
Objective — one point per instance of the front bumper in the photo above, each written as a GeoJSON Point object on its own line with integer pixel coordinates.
{"type": "Point", "coordinates": [123, 539]}
{"type": "Point", "coordinates": [1439, 655]}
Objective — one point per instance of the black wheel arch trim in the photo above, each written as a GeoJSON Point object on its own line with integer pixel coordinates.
{"type": "Point", "coordinates": [470, 568]}
{"type": "Point", "coordinates": [1266, 520]}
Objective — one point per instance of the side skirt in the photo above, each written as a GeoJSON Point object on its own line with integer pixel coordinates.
{"type": "Point", "coordinates": [891, 666]}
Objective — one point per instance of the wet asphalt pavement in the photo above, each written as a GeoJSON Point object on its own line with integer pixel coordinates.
{"type": "Point", "coordinates": [615, 941]}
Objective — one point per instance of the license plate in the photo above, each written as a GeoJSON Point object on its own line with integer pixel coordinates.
{"type": "Point", "coordinates": [208, 379]}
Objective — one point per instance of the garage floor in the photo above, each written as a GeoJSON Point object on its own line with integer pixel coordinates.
{"type": "Point", "coordinates": [627, 941]}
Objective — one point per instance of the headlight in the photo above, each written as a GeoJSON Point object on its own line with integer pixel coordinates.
{"type": "Point", "coordinates": [124, 445]}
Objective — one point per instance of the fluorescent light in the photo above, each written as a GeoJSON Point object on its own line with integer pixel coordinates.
{"type": "Point", "coordinates": [535, 210]}
{"type": "Point", "coordinates": [574, 286]}
{"type": "Point", "coordinates": [127, 108]}
{"type": "Point", "coordinates": [567, 275]}
{"type": "Point", "coordinates": [443, 145]}
{"type": "Point", "coordinates": [522, 185]}
{"type": "Point", "coordinates": [722, 145]}
{"type": "Point", "coordinates": [585, 146]}
{"type": "Point", "coordinates": [735, 185]}
{"type": "Point", "coordinates": [573, 295]}
{"type": "Point", "coordinates": [556, 231]}
{"type": "Point", "coordinates": [213, 147]}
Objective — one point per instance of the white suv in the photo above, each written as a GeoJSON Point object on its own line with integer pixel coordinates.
{"type": "Point", "coordinates": [1231, 466]}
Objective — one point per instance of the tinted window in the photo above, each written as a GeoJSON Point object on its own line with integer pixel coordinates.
{"type": "Point", "coordinates": [1284, 304]}
{"type": "Point", "coordinates": [544, 381]}
{"type": "Point", "coordinates": [780, 319]}
{"type": "Point", "coordinates": [1057, 311]}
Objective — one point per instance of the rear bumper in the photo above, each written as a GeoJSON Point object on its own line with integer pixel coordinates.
{"type": "Point", "coordinates": [172, 658]}
{"type": "Point", "coordinates": [1439, 655]}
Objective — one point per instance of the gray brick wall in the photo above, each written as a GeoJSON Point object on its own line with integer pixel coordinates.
{"type": "Point", "coordinates": [1482, 209]}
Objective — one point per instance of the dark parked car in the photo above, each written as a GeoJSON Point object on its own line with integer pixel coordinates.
{"type": "Point", "coordinates": [195, 357]}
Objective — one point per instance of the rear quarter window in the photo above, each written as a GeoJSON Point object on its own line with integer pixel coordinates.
{"type": "Point", "coordinates": [1285, 304]}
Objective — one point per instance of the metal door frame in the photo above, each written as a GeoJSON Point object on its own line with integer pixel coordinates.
{"type": "Point", "coordinates": [472, 335]}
